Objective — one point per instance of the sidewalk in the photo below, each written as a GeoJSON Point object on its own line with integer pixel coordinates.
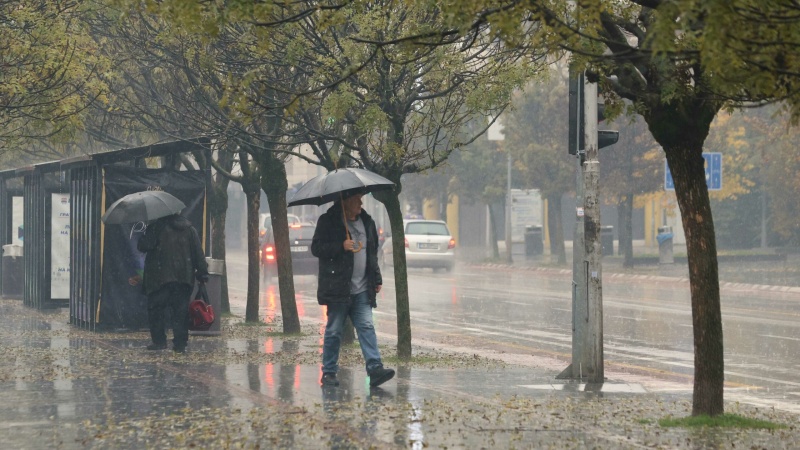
{"type": "Point", "coordinates": [66, 388]}
{"type": "Point", "coordinates": [750, 272]}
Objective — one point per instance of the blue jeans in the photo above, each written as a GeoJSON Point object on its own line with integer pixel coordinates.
{"type": "Point", "coordinates": [360, 313]}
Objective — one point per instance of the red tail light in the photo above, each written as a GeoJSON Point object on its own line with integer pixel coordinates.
{"type": "Point", "coordinates": [270, 252]}
{"type": "Point", "coordinates": [406, 242]}
{"type": "Point", "coordinates": [452, 244]}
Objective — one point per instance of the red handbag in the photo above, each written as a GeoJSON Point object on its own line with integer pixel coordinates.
{"type": "Point", "coordinates": [201, 314]}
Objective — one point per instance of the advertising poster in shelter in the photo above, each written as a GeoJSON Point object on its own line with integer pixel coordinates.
{"type": "Point", "coordinates": [123, 303]}
{"type": "Point", "coordinates": [17, 215]}
{"type": "Point", "coordinates": [59, 250]}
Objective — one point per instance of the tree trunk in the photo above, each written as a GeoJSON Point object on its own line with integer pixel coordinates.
{"type": "Point", "coordinates": [556, 228]}
{"type": "Point", "coordinates": [625, 223]}
{"type": "Point", "coordinates": [253, 196]}
{"type": "Point", "coordinates": [275, 184]}
{"type": "Point", "coordinates": [493, 233]}
{"type": "Point", "coordinates": [218, 207]}
{"type": "Point", "coordinates": [392, 203]}
{"type": "Point", "coordinates": [681, 129]}
{"type": "Point", "coordinates": [687, 167]}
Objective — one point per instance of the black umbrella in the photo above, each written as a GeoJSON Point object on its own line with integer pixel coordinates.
{"type": "Point", "coordinates": [142, 206]}
{"type": "Point", "coordinates": [328, 187]}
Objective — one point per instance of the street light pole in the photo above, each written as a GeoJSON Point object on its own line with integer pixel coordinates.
{"type": "Point", "coordinates": [509, 243]}
{"type": "Point", "coordinates": [495, 133]}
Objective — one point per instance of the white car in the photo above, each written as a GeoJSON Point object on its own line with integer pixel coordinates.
{"type": "Point", "coordinates": [428, 244]}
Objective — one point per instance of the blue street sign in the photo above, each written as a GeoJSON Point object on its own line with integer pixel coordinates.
{"type": "Point", "coordinates": [713, 163]}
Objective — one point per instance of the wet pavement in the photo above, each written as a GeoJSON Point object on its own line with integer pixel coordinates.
{"type": "Point", "coordinates": [62, 387]}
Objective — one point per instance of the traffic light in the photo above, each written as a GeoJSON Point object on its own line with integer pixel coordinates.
{"type": "Point", "coordinates": [577, 118]}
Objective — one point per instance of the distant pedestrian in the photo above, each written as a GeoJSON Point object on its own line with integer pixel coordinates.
{"type": "Point", "coordinates": [174, 260]}
{"type": "Point", "coordinates": [349, 280]}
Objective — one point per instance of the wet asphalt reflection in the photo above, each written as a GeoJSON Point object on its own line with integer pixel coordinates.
{"type": "Point", "coordinates": [647, 323]}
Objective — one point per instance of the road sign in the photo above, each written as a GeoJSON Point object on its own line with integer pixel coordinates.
{"type": "Point", "coordinates": [713, 164]}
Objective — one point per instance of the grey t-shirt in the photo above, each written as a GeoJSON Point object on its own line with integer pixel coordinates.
{"type": "Point", "coordinates": [358, 283]}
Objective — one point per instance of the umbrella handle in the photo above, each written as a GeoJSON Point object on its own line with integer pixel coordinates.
{"type": "Point", "coordinates": [346, 229]}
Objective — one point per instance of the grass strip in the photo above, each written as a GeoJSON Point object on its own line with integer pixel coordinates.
{"type": "Point", "coordinates": [722, 421]}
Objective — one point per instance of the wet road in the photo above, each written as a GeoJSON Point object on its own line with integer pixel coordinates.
{"type": "Point", "coordinates": [647, 322]}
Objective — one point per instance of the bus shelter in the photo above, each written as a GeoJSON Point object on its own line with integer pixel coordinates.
{"type": "Point", "coordinates": [69, 254]}
{"type": "Point", "coordinates": [11, 212]}
{"type": "Point", "coordinates": [106, 274]}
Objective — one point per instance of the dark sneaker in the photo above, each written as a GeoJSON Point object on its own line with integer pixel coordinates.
{"type": "Point", "coordinates": [329, 379]}
{"type": "Point", "coordinates": [179, 349]}
{"type": "Point", "coordinates": [157, 347]}
{"type": "Point", "coordinates": [379, 376]}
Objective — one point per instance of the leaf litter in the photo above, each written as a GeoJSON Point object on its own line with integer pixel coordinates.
{"type": "Point", "coordinates": [36, 354]}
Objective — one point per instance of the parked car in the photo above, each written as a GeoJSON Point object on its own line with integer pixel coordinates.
{"type": "Point", "coordinates": [303, 262]}
{"type": "Point", "coordinates": [265, 223]}
{"type": "Point", "coordinates": [428, 243]}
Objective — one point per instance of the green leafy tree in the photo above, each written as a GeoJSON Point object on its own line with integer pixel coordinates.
{"type": "Point", "coordinates": [480, 175]}
{"type": "Point", "coordinates": [750, 46]}
{"type": "Point", "coordinates": [49, 72]}
{"type": "Point", "coordinates": [631, 167]}
{"type": "Point", "coordinates": [180, 86]}
{"type": "Point", "coordinates": [536, 134]}
{"type": "Point", "coordinates": [403, 108]}
{"type": "Point", "coordinates": [677, 95]}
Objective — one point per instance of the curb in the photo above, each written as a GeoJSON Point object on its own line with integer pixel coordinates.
{"type": "Point", "coordinates": [656, 278]}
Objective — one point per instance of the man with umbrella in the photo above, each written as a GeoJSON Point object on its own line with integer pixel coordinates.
{"type": "Point", "coordinates": [174, 259]}
{"type": "Point", "coordinates": [346, 243]}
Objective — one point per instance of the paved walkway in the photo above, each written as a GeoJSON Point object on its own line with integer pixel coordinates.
{"type": "Point", "coordinates": [62, 387]}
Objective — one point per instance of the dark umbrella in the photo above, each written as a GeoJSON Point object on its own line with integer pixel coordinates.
{"type": "Point", "coordinates": [330, 186]}
{"type": "Point", "coordinates": [142, 206]}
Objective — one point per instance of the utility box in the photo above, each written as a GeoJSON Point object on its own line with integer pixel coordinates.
{"type": "Point", "coordinates": [534, 244]}
{"type": "Point", "coordinates": [13, 271]}
{"type": "Point", "coordinates": [607, 240]}
{"type": "Point", "coordinates": [664, 238]}
{"type": "Point", "coordinates": [216, 267]}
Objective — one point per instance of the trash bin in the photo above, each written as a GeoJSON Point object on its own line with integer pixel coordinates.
{"type": "Point", "coordinates": [214, 288]}
{"type": "Point", "coordinates": [533, 241]}
{"type": "Point", "coordinates": [664, 238]}
{"type": "Point", "coordinates": [607, 240]}
{"type": "Point", "coordinates": [13, 271]}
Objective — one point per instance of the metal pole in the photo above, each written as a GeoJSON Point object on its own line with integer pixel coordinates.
{"type": "Point", "coordinates": [592, 244]}
{"type": "Point", "coordinates": [509, 244]}
{"type": "Point", "coordinates": [580, 317]}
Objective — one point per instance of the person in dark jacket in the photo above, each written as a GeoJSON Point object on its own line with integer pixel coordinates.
{"type": "Point", "coordinates": [349, 280]}
{"type": "Point", "coordinates": [174, 260]}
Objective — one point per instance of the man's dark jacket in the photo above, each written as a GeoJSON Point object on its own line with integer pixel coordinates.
{"type": "Point", "coordinates": [336, 264]}
{"type": "Point", "coordinates": [173, 252]}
